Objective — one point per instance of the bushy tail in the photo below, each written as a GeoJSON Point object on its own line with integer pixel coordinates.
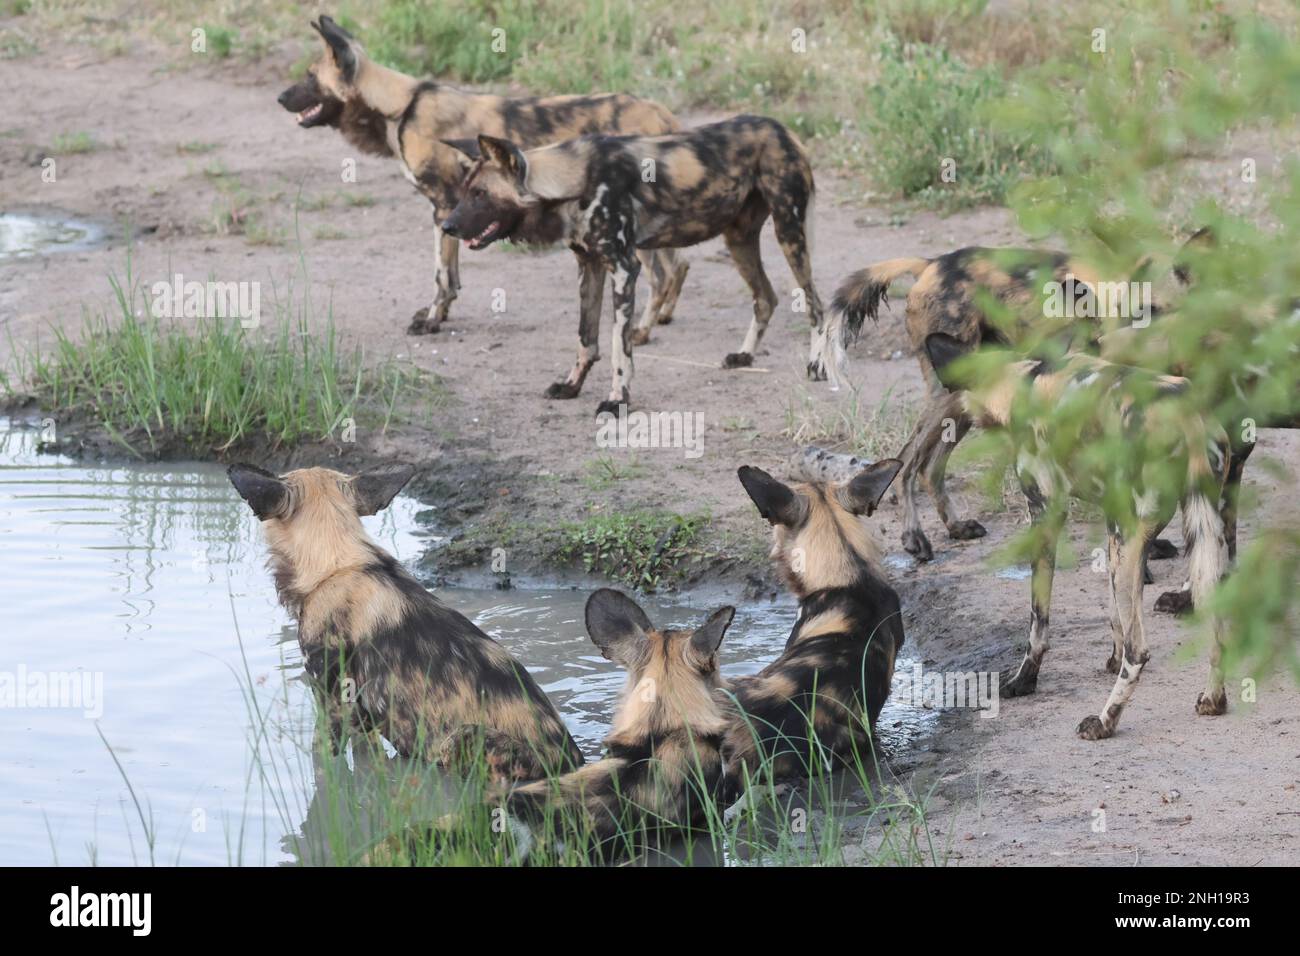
{"type": "Point", "coordinates": [1202, 523]}
{"type": "Point", "coordinates": [861, 294]}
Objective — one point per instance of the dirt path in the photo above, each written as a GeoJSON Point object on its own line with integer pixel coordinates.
{"type": "Point", "coordinates": [181, 150]}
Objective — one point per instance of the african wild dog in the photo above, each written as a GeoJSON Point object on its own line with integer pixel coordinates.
{"type": "Point", "coordinates": [662, 767]}
{"type": "Point", "coordinates": [835, 673]}
{"type": "Point", "coordinates": [946, 298]}
{"type": "Point", "coordinates": [1178, 460]}
{"type": "Point", "coordinates": [610, 196]}
{"type": "Point", "coordinates": [386, 113]}
{"type": "Point", "coordinates": [383, 654]}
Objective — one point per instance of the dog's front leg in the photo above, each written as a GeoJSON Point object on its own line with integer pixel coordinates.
{"type": "Point", "coordinates": [591, 289]}
{"type": "Point", "coordinates": [446, 278]}
{"type": "Point", "coordinates": [624, 269]}
{"type": "Point", "coordinates": [1048, 519]}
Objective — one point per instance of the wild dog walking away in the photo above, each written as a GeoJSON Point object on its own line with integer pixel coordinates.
{"type": "Point", "coordinates": [383, 654]}
{"type": "Point", "coordinates": [1178, 459]}
{"type": "Point", "coordinates": [945, 298]}
{"type": "Point", "coordinates": [838, 664]}
{"type": "Point", "coordinates": [386, 113]}
{"type": "Point", "coordinates": [610, 196]}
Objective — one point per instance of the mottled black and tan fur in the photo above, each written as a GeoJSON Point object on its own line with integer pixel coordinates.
{"type": "Point", "coordinates": [822, 696]}
{"type": "Point", "coordinates": [1178, 461]}
{"type": "Point", "coordinates": [382, 653]}
{"type": "Point", "coordinates": [386, 113]}
{"type": "Point", "coordinates": [612, 196]}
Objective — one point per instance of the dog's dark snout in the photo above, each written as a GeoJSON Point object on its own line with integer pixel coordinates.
{"type": "Point", "coordinates": [451, 228]}
{"type": "Point", "coordinates": [283, 99]}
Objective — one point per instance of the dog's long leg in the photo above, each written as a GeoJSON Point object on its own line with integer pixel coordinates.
{"type": "Point", "coordinates": [446, 278]}
{"type": "Point", "coordinates": [921, 446]}
{"type": "Point", "coordinates": [1047, 521]}
{"type": "Point", "coordinates": [653, 263]}
{"type": "Point", "coordinates": [792, 236]}
{"type": "Point", "coordinates": [675, 268]}
{"type": "Point", "coordinates": [743, 247]}
{"type": "Point", "coordinates": [954, 427]}
{"type": "Point", "coordinates": [1114, 552]}
{"type": "Point", "coordinates": [624, 269]}
{"type": "Point", "coordinates": [591, 294]}
{"type": "Point", "coordinates": [1128, 599]}
{"type": "Point", "coordinates": [1237, 457]}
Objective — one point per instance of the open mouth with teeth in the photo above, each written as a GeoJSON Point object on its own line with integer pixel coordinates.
{"type": "Point", "coordinates": [486, 236]}
{"type": "Point", "coordinates": [310, 113]}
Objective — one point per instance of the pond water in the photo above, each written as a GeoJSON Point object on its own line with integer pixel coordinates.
{"type": "Point", "coordinates": [23, 235]}
{"type": "Point", "coordinates": [141, 629]}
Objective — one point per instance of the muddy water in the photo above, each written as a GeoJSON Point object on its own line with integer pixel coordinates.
{"type": "Point", "coordinates": [136, 600]}
{"type": "Point", "coordinates": [23, 234]}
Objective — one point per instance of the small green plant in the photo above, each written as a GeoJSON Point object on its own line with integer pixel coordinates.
{"type": "Point", "coordinates": [71, 144]}
{"type": "Point", "coordinates": [221, 41]}
{"type": "Point", "coordinates": [638, 548]}
{"type": "Point", "coordinates": [605, 470]}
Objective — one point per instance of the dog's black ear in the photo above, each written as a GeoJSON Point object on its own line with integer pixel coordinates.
{"type": "Point", "coordinates": [340, 44]}
{"type": "Point", "coordinates": [503, 153]}
{"type": "Point", "coordinates": [862, 493]}
{"type": "Point", "coordinates": [709, 635]}
{"type": "Point", "coordinates": [943, 350]}
{"type": "Point", "coordinates": [265, 493]}
{"type": "Point", "coordinates": [374, 488]}
{"type": "Point", "coordinates": [776, 502]}
{"type": "Point", "coordinates": [467, 147]}
{"type": "Point", "coordinates": [617, 625]}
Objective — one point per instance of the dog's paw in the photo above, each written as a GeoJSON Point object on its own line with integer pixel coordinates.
{"type": "Point", "coordinates": [917, 545]}
{"type": "Point", "coordinates": [1162, 549]}
{"type": "Point", "coordinates": [1112, 664]}
{"type": "Point", "coordinates": [1212, 705]}
{"type": "Point", "coordinates": [421, 324]}
{"type": "Point", "coordinates": [640, 336]}
{"type": "Point", "coordinates": [1021, 685]}
{"type": "Point", "coordinates": [738, 360]}
{"type": "Point", "coordinates": [561, 390]}
{"type": "Point", "coordinates": [817, 370]}
{"type": "Point", "coordinates": [967, 530]}
{"type": "Point", "coordinates": [1091, 728]}
{"type": "Point", "coordinates": [1175, 602]}
{"type": "Point", "coordinates": [610, 407]}
{"type": "Point", "coordinates": [664, 319]}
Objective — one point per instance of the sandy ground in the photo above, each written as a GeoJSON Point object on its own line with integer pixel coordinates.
{"type": "Point", "coordinates": [1016, 789]}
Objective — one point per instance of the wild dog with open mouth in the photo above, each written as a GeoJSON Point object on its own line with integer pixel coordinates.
{"type": "Point", "coordinates": [662, 767]}
{"type": "Point", "coordinates": [386, 113]}
{"type": "Point", "coordinates": [835, 673]}
{"type": "Point", "coordinates": [383, 654]}
{"type": "Point", "coordinates": [1179, 460]}
{"type": "Point", "coordinates": [610, 196]}
{"type": "Point", "coordinates": [945, 298]}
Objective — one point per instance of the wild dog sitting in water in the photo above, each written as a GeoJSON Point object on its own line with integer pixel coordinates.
{"type": "Point", "coordinates": [610, 196]}
{"type": "Point", "coordinates": [838, 664]}
{"type": "Point", "coordinates": [386, 113]}
{"type": "Point", "coordinates": [663, 756]}
{"type": "Point", "coordinates": [1177, 458]}
{"type": "Point", "coordinates": [382, 653]}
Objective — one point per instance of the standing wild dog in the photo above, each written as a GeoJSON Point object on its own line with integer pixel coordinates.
{"type": "Point", "coordinates": [609, 197]}
{"type": "Point", "coordinates": [945, 299]}
{"type": "Point", "coordinates": [383, 653]}
{"type": "Point", "coordinates": [1177, 459]}
{"type": "Point", "coordinates": [662, 767]}
{"type": "Point", "coordinates": [835, 673]}
{"type": "Point", "coordinates": [386, 113]}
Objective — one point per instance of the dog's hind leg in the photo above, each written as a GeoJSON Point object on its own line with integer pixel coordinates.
{"type": "Point", "coordinates": [824, 355]}
{"type": "Point", "coordinates": [591, 294]}
{"type": "Point", "coordinates": [921, 449]}
{"type": "Point", "coordinates": [624, 268]}
{"type": "Point", "coordinates": [675, 268]}
{"type": "Point", "coordinates": [1128, 613]}
{"type": "Point", "coordinates": [742, 244]}
{"type": "Point", "coordinates": [954, 427]}
{"type": "Point", "coordinates": [1047, 525]}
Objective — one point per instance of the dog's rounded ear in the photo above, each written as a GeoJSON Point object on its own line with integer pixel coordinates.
{"type": "Point", "coordinates": [708, 636]}
{"type": "Point", "coordinates": [776, 502]}
{"type": "Point", "coordinates": [617, 625]}
{"type": "Point", "coordinates": [467, 152]}
{"type": "Point", "coordinates": [265, 493]}
{"type": "Point", "coordinates": [506, 155]}
{"type": "Point", "coordinates": [862, 493]}
{"type": "Point", "coordinates": [374, 488]}
{"type": "Point", "coordinates": [942, 350]}
{"type": "Point", "coordinates": [340, 43]}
